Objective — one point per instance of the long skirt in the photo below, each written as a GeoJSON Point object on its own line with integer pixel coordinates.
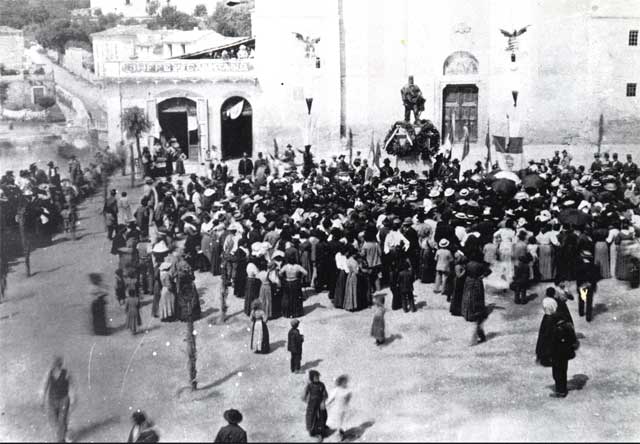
{"type": "Point", "coordinates": [216, 258]}
{"type": "Point", "coordinates": [133, 315]}
{"type": "Point", "coordinates": [167, 303]}
{"type": "Point", "coordinates": [623, 260]}
{"type": "Point", "coordinates": [305, 262]}
{"type": "Point", "coordinates": [427, 273]}
{"type": "Point", "coordinates": [316, 419]}
{"type": "Point", "coordinates": [377, 327]}
{"type": "Point", "coordinates": [613, 258]}
{"type": "Point", "coordinates": [292, 299]}
{"type": "Point", "coordinates": [473, 306]}
{"type": "Point", "coordinates": [363, 291]}
{"type": "Point", "coordinates": [351, 292]}
{"type": "Point", "coordinates": [252, 292]}
{"type": "Point", "coordinates": [545, 262]}
{"type": "Point", "coordinates": [276, 301]}
{"type": "Point", "coordinates": [601, 259]}
{"type": "Point", "coordinates": [338, 293]}
{"type": "Point", "coordinates": [265, 299]}
{"type": "Point", "coordinates": [456, 298]}
{"type": "Point", "coordinates": [180, 167]}
{"type": "Point", "coordinates": [260, 336]}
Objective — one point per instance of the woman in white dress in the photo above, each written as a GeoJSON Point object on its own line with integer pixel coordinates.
{"type": "Point", "coordinates": [337, 405]}
{"type": "Point", "coordinates": [505, 250]}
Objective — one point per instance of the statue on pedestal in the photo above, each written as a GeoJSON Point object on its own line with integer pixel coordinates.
{"type": "Point", "coordinates": [413, 101]}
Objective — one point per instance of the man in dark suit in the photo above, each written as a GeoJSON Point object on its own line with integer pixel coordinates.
{"type": "Point", "coordinates": [386, 170]}
{"type": "Point", "coordinates": [294, 345]}
{"type": "Point", "coordinates": [414, 247]}
{"type": "Point", "coordinates": [587, 277]}
{"type": "Point", "coordinates": [232, 432]}
{"type": "Point", "coordinates": [245, 166]}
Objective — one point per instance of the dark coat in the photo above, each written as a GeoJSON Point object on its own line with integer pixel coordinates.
{"type": "Point", "coordinates": [587, 272]}
{"type": "Point", "coordinates": [294, 342]}
{"type": "Point", "coordinates": [146, 435]}
{"type": "Point", "coordinates": [557, 340]}
{"type": "Point", "coordinates": [231, 433]}
{"type": "Point", "coordinates": [245, 167]}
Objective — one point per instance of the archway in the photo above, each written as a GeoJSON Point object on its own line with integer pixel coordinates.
{"type": "Point", "coordinates": [460, 109]}
{"type": "Point", "coordinates": [236, 116]}
{"type": "Point", "coordinates": [178, 118]}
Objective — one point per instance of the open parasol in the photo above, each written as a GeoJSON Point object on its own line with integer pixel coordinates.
{"type": "Point", "coordinates": [508, 175]}
{"type": "Point", "coordinates": [533, 181]}
{"type": "Point", "coordinates": [573, 216]}
{"type": "Point", "coordinates": [505, 187]}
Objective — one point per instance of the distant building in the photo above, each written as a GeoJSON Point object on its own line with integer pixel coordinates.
{"type": "Point", "coordinates": [11, 48]}
{"type": "Point", "coordinates": [139, 8]}
{"type": "Point", "coordinates": [576, 61]}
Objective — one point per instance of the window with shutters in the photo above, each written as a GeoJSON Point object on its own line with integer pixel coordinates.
{"type": "Point", "coordinates": [631, 89]}
{"type": "Point", "coordinates": [633, 37]}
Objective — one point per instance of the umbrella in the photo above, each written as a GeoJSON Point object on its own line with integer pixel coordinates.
{"type": "Point", "coordinates": [533, 181]}
{"type": "Point", "coordinates": [508, 175]}
{"type": "Point", "coordinates": [573, 216]}
{"type": "Point", "coordinates": [504, 186]}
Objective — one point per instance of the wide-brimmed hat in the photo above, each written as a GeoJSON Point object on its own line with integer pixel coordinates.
{"type": "Point", "coordinates": [160, 247]}
{"type": "Point", "coordinates": [209, 192]}
{"type": "Point", "coordinates": [464, 192]}
{"type": "Point", "coordinates": [165, 266]}
{"type": "Point", "coordinates": [545, 215]}
{"type": "Point", "coordinates": [233, 416]}
{"type": "Point", "coordinates": [407, 221]}
{"type": "Point", "coordinates": [449, 192]}
{"type": "Point", "coordinates": [444, 243]}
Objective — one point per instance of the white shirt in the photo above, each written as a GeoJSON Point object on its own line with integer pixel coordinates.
{"type": "Point", "coordinates": [393, 239]}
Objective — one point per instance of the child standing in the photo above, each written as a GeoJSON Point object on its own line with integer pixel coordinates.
{"type": "Point", "coordinates": [405, 286]}
{"type": "Point", "coordinates": [444, 259]}
{"type": "Point", "coordinates": [338, 403]}
{"type": "Point", "coordinates": [377, 326]}
{"type": "Point", "coordinates": [294, 345]}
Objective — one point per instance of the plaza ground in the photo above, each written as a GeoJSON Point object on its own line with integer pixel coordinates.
{"type": "Point", "coordinates": [428, 383]}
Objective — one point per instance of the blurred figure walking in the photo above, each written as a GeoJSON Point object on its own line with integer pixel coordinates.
{"type": "Point", "coordinates": [57, 395]}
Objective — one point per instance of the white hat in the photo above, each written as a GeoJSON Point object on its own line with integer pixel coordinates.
{"type": "Point", "coordinates": [209, 192]}
{"type": "Point", "coordinates": [160, 247]}
{"type": "Point", "coordinates": [444, 243]}
{"type": "Point", "coordinates": [521, 196]}
{"type": "Point", "coordinates": [434, 192]}
{"type": "Point", "coordinates": [464, 192]}
{"type": "Point", "coordinates": [165, 266]}
{"type": "Point", "coordinates": [449, 192]}
{"type": "Point", "coordinates": [584, 205]}
{"type": "Point", "coordinates": [544, 216]}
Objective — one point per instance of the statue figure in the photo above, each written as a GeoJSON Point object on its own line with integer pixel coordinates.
{"type": "Point", "coordinates": [412, 100]}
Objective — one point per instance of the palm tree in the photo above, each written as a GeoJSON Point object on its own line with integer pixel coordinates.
{"type": "Point", "coordinates": [135, 122]}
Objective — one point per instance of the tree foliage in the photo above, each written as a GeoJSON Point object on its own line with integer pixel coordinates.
{"type": "Point", "coordinates": [171, 18]}
{"type": "Point", "coordinates": [200, 11]}
{"type": "Point", "coordinates": [234, 21]}
{"type": "Point", "coordinates": [46, 101]}
{"type": "Point", "coordinates": [135, 122]}
{"type": "Point", "coordinates": [152, 7]}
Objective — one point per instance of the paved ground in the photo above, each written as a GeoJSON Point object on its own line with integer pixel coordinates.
{"type": "Point", "coordinates": [427, 384]}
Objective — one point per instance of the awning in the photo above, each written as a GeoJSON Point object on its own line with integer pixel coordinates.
{"type": "Point", "coordinates": [247, 41]}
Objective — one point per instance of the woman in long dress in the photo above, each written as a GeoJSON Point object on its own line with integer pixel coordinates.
{"type": "Point", "coordinates": [291, 278]}
{"type": "Point", "coordinates": [216, 250]}
{"type": "Point", "coordinates": [132, 306]}
{"type": "Point", "coordinates": [625, 240]}
{"type": "Point", "coordinates": [259, 330]}
{"type": "Point", "coordinates": [364, 290]}
{"type": "Point", "coordinates": [264, 296]}
{"type": "Point", "coordinates": [373, 255]}
{"type": "Point", "coordinates": [505, 250]}
{"type": "Point", "coordinates": [338, 404]}
{"type": "Point", "coordinates": [613, 248]}
{"type": "Point", "coordinates": [601, 252]}
{"type": "Point", "coordinates": [341, 279]}
{"type": "Point", "coordinates": [305, 258]}
{"type": "Point", "coordinates": [473, 301]}
{"type": "Point", "coordinates": [252, 288]}
{"type": "Point", "coordinates": [167, 298]}
{"type": "Point", "coordinates": [315, 395]}
{"type": "Point", "coordinates": [378, 324]}
{"type": "Point", "coordinates": [460, 271]}
{"type": "Point", "coordinates": [351, 284]}
{"type": "Point", "coordinates": [546, 254]}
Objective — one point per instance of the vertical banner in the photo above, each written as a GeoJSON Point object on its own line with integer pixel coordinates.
{"type": "Point", "coordinates": [152, 116]}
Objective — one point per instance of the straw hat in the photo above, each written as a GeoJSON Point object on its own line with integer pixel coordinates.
{"type": "Point", "coordinates": [444, 243]}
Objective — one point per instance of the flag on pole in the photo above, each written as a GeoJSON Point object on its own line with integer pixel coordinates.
{"type": "Point", "coordinates": [465, 147]}
{"type": "Point", "coordinates": [372, 148]}
{"type": "Point", "coordinates": [376, 159]}
{"type": "Point", "coordinates": [350, 145]}
{"type": "Point", "coordinates": [487, 143]}
{"type": "Point", "coordinates": [275, 148]}
{"type": "Point", "coordinates": [510, 153]}
{"type": "Point", "coordinates": [236, 110]}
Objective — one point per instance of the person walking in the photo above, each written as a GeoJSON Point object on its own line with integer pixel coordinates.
{"type": "Point", "coordinates": [473, 302]}
{"type": "Point", "coordinates": [294, 345]}
{"type": "Point", "coordinates": [521, 279]}
{"type": "Point", "coordinates": [444, 261]}
{"type": "Point", "coordinates": [338, 404]}
{"type": "Point", "coordinates": [378, 324]}
{"type": "Point", "coordinates": [58, 395]}
{"type": "Point", "coordinates": [142, 429]}
{"type": "Point", "coordinates": [110, 211]}
{"type": "Point", "coordinates": [259, 330]}
{"type": "Point", "coordinates": [587, 277]}
{"type": "Point", "coordinates": [556, 346]}
{"type": "Point", "coordinates": [315, 395]}
{"type": "Point", "coordinates": [232, 432]}
{"type": "Point", "coordinates": [98, 306]}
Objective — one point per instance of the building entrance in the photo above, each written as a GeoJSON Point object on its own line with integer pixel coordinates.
{"type": "Point", "coordinates": [236, 117]}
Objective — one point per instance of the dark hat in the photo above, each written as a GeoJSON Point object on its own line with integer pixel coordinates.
{"type": "Point", "coordinates": [289, 145]}
{"type": "Point", "coordinates": [50, 163]}
{"type": "Point", "coordinates": [294, 322]}
{"type": "Point", "coordinates": [407, 221]}
{"type": "Point", "coordinates": [232, 416]}
{"type": "Point", "coordinates": [95, 278]}
{"type": "Point", "coordinates": [386, 161]}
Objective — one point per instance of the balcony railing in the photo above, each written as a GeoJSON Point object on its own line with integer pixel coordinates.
{"type": "Point", "coordinates": [177, 69]}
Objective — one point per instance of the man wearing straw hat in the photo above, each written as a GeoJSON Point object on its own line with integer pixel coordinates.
{"type": "Point", "coordinates": [232, 433]}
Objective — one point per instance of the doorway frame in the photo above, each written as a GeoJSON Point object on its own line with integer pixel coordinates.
{"type": "Point", "coordinates": [253, 141]}
{"type": "Point", "coordinates": [483, 102]}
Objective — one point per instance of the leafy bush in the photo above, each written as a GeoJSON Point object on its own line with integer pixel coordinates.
{"type": "Point", "coordinates": [46, 101]}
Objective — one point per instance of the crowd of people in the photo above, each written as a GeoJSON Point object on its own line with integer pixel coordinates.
{"type": "Point", "coordinates": [281, 229]}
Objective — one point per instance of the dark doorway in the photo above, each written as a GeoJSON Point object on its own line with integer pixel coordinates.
{"type": "Point", "coordinates": [461, 101]}
{"type": "Point", "coordinates": [236, 117]}
{"type": "Point", "coordinates": [174, 116]}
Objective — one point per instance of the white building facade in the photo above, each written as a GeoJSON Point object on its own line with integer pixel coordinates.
{"type": "Point", "coordinates": [575, 62]}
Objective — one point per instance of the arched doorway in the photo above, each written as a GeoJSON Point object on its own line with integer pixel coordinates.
{"type": "Point", "coordinates": [236, 127]}
{"type": "Point", "coordinates": [177, 117]}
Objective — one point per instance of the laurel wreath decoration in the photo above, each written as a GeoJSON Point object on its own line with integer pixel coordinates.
{"type": "Point", "coordinates": [425, 143]}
